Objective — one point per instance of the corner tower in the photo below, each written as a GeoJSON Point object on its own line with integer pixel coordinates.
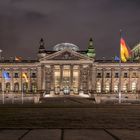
{"type": "Point", "coordinates": [91, 49]}
{"type": "Point", "coordinates": [42, 51]}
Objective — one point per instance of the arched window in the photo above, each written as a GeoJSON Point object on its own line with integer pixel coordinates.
{"type": "Point", "coordinates": [34, 87]}
{"type": "Point", "coordinates": [98, 87]}
{"type": "Point", "coordinates": [25, 87]}
{"type": "Point", "coordinates": [134, 86]}
{"type": "Point", "coordinates": [107, 87]}
{"type": "Point", "coordinates": [116, 87]}
{"type": "Point", "coordinates": [16, 87]}
{"type": "Point", "coordinates": [125, 87]}
{"type": "Point", "coordinates": [7, 87]}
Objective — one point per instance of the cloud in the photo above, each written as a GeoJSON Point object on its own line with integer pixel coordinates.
{"type": "Point", "coordinates": [24, 22]}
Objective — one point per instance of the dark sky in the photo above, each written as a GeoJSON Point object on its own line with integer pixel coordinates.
{"type": "Point", "coordinates": [24, 22]}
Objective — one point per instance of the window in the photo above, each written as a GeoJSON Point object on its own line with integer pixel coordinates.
{"type": "Point", "coordinates": [8, 86]}
{"type": "Point", "coordinates": [125, 87]}
{"type": "Point", "coordinates": [117, 75]}
{"type": "Point", "coordinates": [107, 75]}
{"type": "Point", "coordinates": [8, 75]}
{"type": "Point", "coordinates": [33, 87]}
{"type": "Point", "coordinates": [107, 87]}
{"type": "Point", "coordinates": [116, 88]}
{"type": "Point", "coordinates": [134, 75]}
{"type": "Point", "coordinates": [16, 87]}
{"type": "Point", "coordinates": [57, 80]}
{"type": "Point", "coordinates": [99, 75]}
{"type": "Point", "coordinates": [16, 75]}
{"type": "Point", "coordinates": [25, 87]}
{"type": "Point", "coordinates": [33, 75]}
{"type": "Point", "coordinates": [98, 87]}
{"type": "Point", "coordinates": [134, 86]}
{"type": "Point", "coordinates": [75, 80]}
{"type": "Point", "coordinates": [125, 75]}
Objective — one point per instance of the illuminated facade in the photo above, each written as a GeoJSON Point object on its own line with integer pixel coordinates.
{"type": "Point", "coordinates": [68, 71]}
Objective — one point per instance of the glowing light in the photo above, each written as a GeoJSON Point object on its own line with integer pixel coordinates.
{"type": "Point", "coordinates": [24, 75]}
{"type": "Point", "coordinates": [6, 75]}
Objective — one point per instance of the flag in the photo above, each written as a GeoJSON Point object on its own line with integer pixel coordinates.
{"type": "Point", "coordinates": [124, 51]}
{"type": "Point", "coordinates": [18, 58]}
{"type": "Point", "coordinates": [116, 58]}
{"type": "Point", "coordinates": [6, 75]}
{"type": "Point", "coordinates": [24, 75]}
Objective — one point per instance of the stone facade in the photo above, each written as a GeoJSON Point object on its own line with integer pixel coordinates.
{"type": "Point", "coordinates": [68, 72]}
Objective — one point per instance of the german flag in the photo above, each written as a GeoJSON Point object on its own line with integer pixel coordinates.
{"type": "Point", "coordinates": [124, 50]}
{"type": "Point", "coordinates": [17, 58]}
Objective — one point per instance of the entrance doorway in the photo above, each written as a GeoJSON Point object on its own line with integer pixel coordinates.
{"type": "Point", "coordinates": [66, 90]}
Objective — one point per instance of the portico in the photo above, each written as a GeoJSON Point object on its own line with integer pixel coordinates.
{"type": "Point", "coordinates": [66, 76]}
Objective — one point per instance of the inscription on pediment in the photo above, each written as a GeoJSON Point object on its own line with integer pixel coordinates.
{"type": "Point", "coordinates": [66, 56]}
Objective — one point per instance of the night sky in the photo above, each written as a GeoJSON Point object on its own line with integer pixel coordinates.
{"type": "Point", "coordinates": [24, 22]}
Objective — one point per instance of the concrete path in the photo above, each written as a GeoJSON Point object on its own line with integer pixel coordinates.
{"type": "Point", "coordinates": [69, 134]}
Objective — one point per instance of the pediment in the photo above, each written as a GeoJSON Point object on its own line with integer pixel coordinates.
{"type": "Point", "coordinates": [66, 54]}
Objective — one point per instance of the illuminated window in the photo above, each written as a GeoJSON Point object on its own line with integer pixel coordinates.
{"type": "Point", "coordinates": [125, 87]}
{"type": "Point", "coordinates": [98, 87]}
{"type": "Point", "coordinates": [134, 86]}
{"type": "Point", "coordinates": [25, 87]}
{"type": "Point", "coordinates": [75, 80]}
{"type": "Point", "coordinates": [107, 87]}
{"type": "Point", "coordinates": [16, 87]}
{"type": "Point", "coordinates": [8, 87]}
{"type": "Point", "coordinates": [57, 80]}
{"type": "Point", "coordinates": [66, 77]}
{"type": "Point", "coordinates": [34, 87]}
{"type": "Point", "coordinates": [116, 88]}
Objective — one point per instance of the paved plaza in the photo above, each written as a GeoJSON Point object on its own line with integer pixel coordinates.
{"type": "Point", "coordinates": [70, 119]}
{"type": "Point", "coordinates": [70, 134]}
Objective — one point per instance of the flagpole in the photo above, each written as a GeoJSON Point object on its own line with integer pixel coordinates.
{"type": "Point", "coordinates": [22, 94]}
{"type": "Point", "coordinates": [3, 97]}
{"type": "Point", "coordinates": [120, 95]}
{"type": "Point", "coordinates": [21, 90]}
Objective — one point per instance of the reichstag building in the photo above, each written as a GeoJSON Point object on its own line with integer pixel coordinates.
{"type": "Point", "coordinates": [67, 70]}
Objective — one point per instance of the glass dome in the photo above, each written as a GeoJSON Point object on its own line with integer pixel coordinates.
{"type": "Point", "coordinates": [63, 46]}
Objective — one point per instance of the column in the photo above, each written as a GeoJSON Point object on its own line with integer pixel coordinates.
{"type": "Point", "coordinates": [90, 78]}
{"type": "Point", "coordinates": [61, 76]}
{"type": "Point", "coordinates": [71, 75]}
{"type": "Point", "coordinates": [102, 85]}
{"type": "Point", "coordinates": [112, 76]}
{"type": "Point", "coordinates": [93, 84]}
{"type": "Point", "coordinates": [2, 81]}
{"type": "Point", "coordinates": [52, 77]}
{"type": "Point", "coordinates": [43, 77]}
{"type": "Point", "coordinates": [130, 80]}
{"type": "Point", "coordinates": [80, 78]}
{"type": "Point", "coordinates": [20, 76]}
{"type": "Point", "coordinates": [39, 77]}
{"type": "Point", "coordinates": [138, 81]}
{"type": "Point", "coordinates": [29, 79]}
{"type": "Point", "coordinates": [12, 80]}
